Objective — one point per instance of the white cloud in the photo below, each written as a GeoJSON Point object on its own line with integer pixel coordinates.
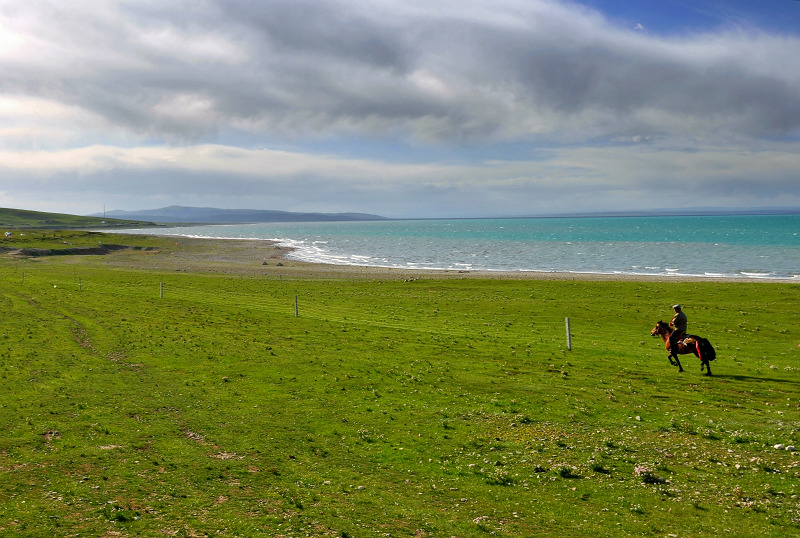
{"type": "Point", "coordinates": [471, 67]}
{"type": "Point", "coordinates": [105, 88]}
{"type": "Point", "coordinates": [571, 178]}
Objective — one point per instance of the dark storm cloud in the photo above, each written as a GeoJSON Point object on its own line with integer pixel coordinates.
{"type": "Point", "coordinates": [168, 100]}
{"type": "Point", "coordinates": [300, 67]}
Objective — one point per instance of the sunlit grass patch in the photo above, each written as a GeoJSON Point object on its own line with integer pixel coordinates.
{"type": "Point", "coordinates": [428, 407]}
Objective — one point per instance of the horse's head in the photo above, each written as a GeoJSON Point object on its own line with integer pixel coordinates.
{"type": "Point", "coordinates": [660, 328]}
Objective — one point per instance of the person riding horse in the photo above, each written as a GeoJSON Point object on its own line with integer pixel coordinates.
{"type": "Point", "coordinates": [684, 345]}
{"type": "Point", "coordinates": [678, 324]}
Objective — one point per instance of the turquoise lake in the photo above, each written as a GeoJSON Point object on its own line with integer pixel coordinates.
{"type": "Point", "coordinates": [744, 246]}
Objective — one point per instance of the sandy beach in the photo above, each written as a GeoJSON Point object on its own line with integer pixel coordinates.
{"type": "Point", "coordinates": [254, 257]}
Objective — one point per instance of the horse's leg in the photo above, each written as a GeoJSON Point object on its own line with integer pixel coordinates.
{"type": "Point", "coordinates": [675, 354]}
{"type": "Point", "coordinates": [671, 354]}
{"type": "Point", "coordinates": [696, 352]}
{"type": "Point", "coordinates": [703, 362]}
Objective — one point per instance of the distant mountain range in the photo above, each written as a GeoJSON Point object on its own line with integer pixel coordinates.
{"type": "Point", "coordinates": [213, 215]}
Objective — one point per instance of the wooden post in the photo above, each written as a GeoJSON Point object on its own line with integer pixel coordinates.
{"type": "Point", "coordinates": [295, 306]}
{"type": "Point", "coordinates": [79, 284]}
{"type": "Point", "coordinates": [161, 290]}
{"type": "Point", "coordinates": [569, 338]}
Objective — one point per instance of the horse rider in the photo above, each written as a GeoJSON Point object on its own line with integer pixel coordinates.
{"type": "Point", "coordinates": [678, 323]}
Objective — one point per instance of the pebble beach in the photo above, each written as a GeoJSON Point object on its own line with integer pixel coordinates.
{"type": "Point", "coordinates": [254, 257]}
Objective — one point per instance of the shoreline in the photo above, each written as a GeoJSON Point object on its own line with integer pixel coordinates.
{"type": "Point", "coordinates": [262, 256]}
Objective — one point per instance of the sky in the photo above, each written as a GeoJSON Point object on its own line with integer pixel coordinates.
{"type": "Point", "coordinates": [406, 109]}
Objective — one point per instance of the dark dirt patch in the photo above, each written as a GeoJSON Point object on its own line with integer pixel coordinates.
{"type": "Point", "coordinates": [37, 252]}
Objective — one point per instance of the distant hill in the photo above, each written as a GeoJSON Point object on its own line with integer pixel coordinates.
{"type": "Point", "coordinates": [212, 215]}
{"type": "Point", "coordinates": [22, 218]}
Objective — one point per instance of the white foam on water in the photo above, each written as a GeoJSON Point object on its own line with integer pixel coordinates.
{"type": "Point", "coordinates": [533, 245]}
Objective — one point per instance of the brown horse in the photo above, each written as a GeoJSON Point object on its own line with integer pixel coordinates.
{"type": "Point", "coordinates": [699, 347]}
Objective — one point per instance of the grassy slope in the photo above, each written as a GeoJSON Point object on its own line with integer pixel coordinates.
{"type": "Point", "coordinates": [11, 219]}
{"type": "Point", "coordinates": [431, 407]}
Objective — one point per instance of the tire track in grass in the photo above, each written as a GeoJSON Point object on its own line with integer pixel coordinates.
{"type": "Point", "coordinates": [81, 337]}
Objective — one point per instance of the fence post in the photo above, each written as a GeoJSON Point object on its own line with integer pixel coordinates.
{"type": "Point", "coordinates": [295, 306]}
{"type": "Point", "coordinates": [79, 284]}
{"type": "Point", "coordinates": [569, 338]}
{"type": "Point", "coordinates": [161, 290]}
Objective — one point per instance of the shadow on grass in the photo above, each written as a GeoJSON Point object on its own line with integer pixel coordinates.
{"type": "Point", "coordinates": [753, 378]}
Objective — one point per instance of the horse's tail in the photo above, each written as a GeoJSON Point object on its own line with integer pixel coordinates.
{"type": "Point", "coordinates": [706, 350]}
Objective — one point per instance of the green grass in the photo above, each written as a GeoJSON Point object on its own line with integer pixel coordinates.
{"type": "Point", "coordinates": [13, 219]}
{"type": "Point", "coordinates": [433, 407]}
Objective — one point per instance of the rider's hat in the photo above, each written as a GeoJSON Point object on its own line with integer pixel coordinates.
{"type": "Point", "coordinates": [676, 307]}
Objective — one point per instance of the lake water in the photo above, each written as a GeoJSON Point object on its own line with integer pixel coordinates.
{"type": "Point", "coordinates": [737, 246]}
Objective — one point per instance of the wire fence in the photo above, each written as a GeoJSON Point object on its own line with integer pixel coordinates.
{"type": "Point", "coordinates": [226, 293]}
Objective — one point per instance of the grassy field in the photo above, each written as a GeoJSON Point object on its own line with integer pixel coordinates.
{"type": "Point", "coordinates": [15, 219]}
{"type": "Point", "coordinates": [144, 396]}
